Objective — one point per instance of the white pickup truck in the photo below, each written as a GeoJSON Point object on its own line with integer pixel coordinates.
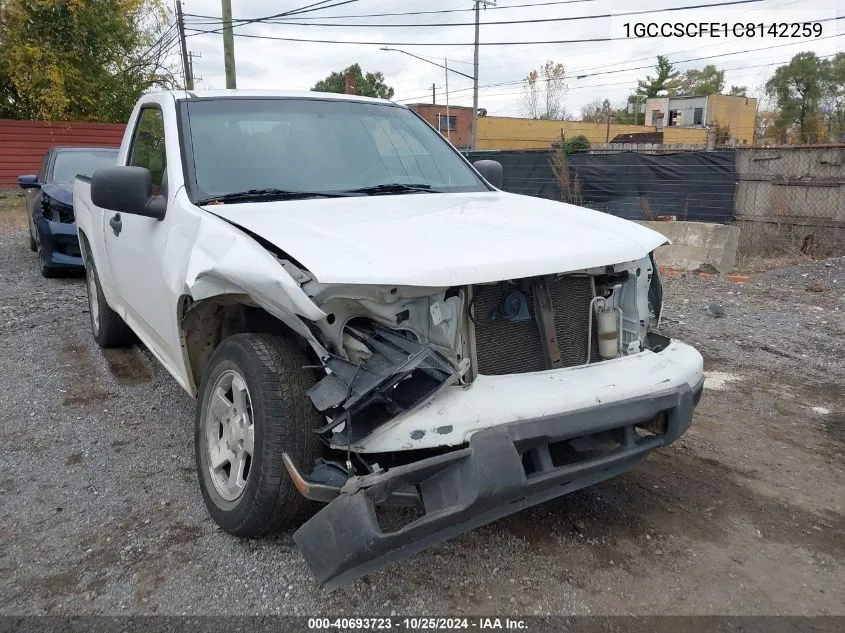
{"type": "Point", "coordinates": [365, 319]}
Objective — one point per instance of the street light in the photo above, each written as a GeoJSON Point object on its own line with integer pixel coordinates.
{"type": "Point", "coordinates": [444, 66]}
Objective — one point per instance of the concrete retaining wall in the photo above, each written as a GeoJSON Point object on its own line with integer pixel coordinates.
{"type": "Point", "coordinates": [696, 245]}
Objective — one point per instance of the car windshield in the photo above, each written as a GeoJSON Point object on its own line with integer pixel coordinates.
{"type": "Point", "coordinates": [316, 145]}
{"type": "Point", "coordinates": [74, 163]}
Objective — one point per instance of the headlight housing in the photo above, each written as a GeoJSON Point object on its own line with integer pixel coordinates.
{"type": "Point", "coordinates": [56, 211]}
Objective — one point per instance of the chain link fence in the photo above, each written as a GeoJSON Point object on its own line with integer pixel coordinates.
{"type": "Point", "coordinates": [790, 200]}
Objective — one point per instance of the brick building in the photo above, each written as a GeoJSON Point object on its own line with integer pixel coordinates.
{"type": "Point", "coordinates": [735, 115]}
{"type": "Point", "coordinates": [459, 125]}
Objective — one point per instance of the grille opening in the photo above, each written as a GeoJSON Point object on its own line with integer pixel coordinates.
{"type": "Point", "coordinates": [655, 426]}
{"type": "Point", "coordinates": [580, 449]}
{"type": "Point", "coordinates": [528, 462]}
{"type": "Point", "coordinates": [67, 248]}
{"type": "Point", "coordinates": [516, 346]}
{"type": "Point", "coordinates": [567, 452]}
{"type": "Point", "coordinates": [392, 518]}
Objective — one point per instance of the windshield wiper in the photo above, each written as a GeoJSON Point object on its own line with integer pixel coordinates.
{"type": "Point", "coordinates": [265, 195]}
{"type": "Point", "coordinates": [395, 187]}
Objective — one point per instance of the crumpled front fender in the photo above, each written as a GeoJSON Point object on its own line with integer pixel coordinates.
{"type": "Point", "coordinates": [222, 260]}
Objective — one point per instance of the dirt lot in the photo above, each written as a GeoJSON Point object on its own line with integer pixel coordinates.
{"type": "Point", "coordinates": [744, 515]}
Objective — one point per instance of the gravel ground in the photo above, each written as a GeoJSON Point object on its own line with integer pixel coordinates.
{"type": "Point", "coordinates": [744, 515]}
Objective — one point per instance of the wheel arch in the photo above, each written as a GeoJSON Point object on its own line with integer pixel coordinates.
{"type": "Point", "coordinates": [206, 323]}
{"type": "Point", "coordinates": [84, 246]}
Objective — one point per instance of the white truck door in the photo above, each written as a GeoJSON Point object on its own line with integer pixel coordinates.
{"type": "Point", "coordinates": [135, 248]}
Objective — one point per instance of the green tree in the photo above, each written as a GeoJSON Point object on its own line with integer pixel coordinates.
{"type": "Point", "coordinates": [81, 60]}
{"type": "Point", "coordinates": [738, 91]}
{"type": "Point", "coordinates": [367, 85]}
{"type": "Point", "coordinates": [578, 143]}
{"type": "Point", "coordinates": [798, 88]}
{"type": "Point", "coordinates": [833, 101]}
{"type": "Point", "coordinates": [664, 81]}
{"type": "Point", "coordinates": [632, 112]}
{"type": "Point", "coordinates": [707, 81]}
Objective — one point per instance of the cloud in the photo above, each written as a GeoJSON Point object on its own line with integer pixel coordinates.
{"type": "Point", "coordinates": [298, 65]}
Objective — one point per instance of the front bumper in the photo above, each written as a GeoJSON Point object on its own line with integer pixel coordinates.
{"type": "Point", "coordinates": [59, 243]}
{"type": "Point", "coordinates": [503, 470]}
{"type": "Point", "coordinates": [457, 412]}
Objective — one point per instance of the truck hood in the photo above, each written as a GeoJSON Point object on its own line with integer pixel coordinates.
{"type": "Point", "coordinates": [440, 240]}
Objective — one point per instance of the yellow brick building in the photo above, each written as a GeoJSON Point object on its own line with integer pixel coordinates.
{"type": "Point", "coordinates": [496, 132]}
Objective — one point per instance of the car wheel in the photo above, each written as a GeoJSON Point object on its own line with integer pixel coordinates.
{"type": "Point", "coordinates": [108, 328]}
{"type": "Point", "coordinates": [47, 271]}
{"type": "Point", "coordinates": [252, 407]}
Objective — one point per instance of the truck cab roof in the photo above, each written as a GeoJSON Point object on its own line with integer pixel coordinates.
{"type": "Point", "coordinates": [273, 94]}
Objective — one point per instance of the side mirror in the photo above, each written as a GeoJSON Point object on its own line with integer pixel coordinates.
{"type": "Point", "coordinates": [28, 182]}
{"type": "Point", "coordinates": [492, 171]}
{"type": "Point", "coordinates": [127, 190]}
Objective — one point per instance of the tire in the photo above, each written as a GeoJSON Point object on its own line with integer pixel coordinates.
{"type": "Point", "coordinates": [108, 328]}
{"type": "Point", "coordinates": [282, 419]}
{"type": "Point", "coordinates": [48, 272]}
{"type": "Point", "coordinates": [33, 245]}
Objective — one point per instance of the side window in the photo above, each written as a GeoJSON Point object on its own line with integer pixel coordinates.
{"type": "Point", "coordinates": [148, 146]}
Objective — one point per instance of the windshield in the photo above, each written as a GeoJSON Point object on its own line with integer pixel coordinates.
{"type": "Point", "coordinates": [68, 165]}
{"type": "Point", "coordinates": [317, 146]}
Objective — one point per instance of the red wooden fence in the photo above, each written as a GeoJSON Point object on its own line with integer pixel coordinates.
{"type": "Point", "coordinates": [24, 143]}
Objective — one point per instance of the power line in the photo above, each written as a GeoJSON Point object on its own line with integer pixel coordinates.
{"type": "Point", "coordinates": [682, 61]}
{"type": "Point", "coordinates": [540, 42]}
{"type": "Point", "coordinates": [529, 21]}
{"type": "Point", "coordinates": [309, 8]}
{"type": "Point", "coordinates": [695, 59]}
{"type": "Point", "coordinates": [215, 18]}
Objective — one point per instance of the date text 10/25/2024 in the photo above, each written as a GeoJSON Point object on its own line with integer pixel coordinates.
{"type": "Point", "coordinates": [417, 624]}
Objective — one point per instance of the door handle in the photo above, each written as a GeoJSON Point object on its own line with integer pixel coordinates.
{"type": "Point", "coordinates": [116, 224]}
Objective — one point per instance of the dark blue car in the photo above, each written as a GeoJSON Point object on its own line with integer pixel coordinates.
{"type": "Point", "coordinates": [49, 204]}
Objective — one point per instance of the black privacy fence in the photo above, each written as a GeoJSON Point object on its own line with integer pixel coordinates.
{"type": "Point", "coordinates": [694, 186]}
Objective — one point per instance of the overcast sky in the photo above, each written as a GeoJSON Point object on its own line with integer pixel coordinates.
{"type": "Point", "coordinates": [298, 65]}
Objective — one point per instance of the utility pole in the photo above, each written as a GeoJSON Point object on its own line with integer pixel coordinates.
{"type": "Point", "coordinates": [433, 95]}
{"type": "Point", "coordinates": [478, 4]}
{"type": "Point", "coordinates": [448, 127]}
{"type": "Point", "coordinates": [186, 62]}
{"type": "Point", "coordinates": [228, 45]}
{"type": "Point", "coordinates": [194, 78]}
{"type": "Point", "coordinates": [607, 135]}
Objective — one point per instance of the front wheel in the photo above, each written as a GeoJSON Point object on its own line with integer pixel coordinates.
{"type": "Point", "coordinates": [252, 407]}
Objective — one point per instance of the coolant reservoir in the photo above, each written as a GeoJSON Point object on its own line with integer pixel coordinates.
{"type": "Point", "coordinates": [607, 321]}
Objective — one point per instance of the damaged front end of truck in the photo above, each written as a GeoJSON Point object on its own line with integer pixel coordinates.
{"type": "Point", "coordinates": [414, 417]}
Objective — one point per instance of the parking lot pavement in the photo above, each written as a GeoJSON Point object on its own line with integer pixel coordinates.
{"type": "Point", "coordinates": [745, 514]}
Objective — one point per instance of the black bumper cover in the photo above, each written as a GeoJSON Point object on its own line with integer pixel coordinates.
{"type": "Point", "coordinates": [478, 484]}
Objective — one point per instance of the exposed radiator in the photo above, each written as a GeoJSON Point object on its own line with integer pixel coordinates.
{"type": "Point", "coordinates": [516, 347]}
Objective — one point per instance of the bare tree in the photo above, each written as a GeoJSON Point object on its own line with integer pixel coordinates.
{"type": "Point", "coordinates": [555, 77]}
{"type": "Point", "coordinates": [531, 96]}
{"type": "Point", "coordinates": [544, 92]}
{"type": "Point", "coordinates": [597, 111]}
